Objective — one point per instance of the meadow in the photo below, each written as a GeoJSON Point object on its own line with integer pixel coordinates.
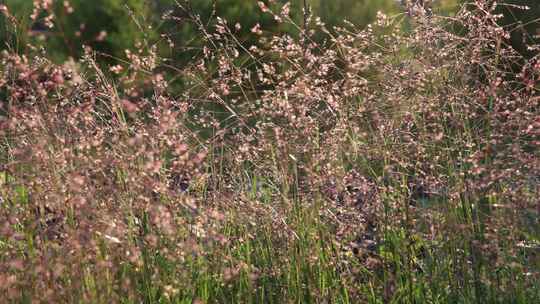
{"type": "Point", "coordinates": [394, 163]}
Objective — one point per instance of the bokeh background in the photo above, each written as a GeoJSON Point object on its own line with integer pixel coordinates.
{"type": "Point", "coordinates": [112, 26]}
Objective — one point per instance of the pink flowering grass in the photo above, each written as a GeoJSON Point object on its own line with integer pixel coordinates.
{"type": "Point", "coordinates": [375, 165]}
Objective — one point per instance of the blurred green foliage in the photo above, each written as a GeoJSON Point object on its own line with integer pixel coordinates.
{"type": "Point", "coordinates": [109, 26]}
{"type": "Point", "coordinates": [126, 22]}
{"type": "Point", "coordinates": [112, 26]}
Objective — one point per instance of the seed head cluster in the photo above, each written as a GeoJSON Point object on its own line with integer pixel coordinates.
{"type": "Point", "coordinates": [142, 179]}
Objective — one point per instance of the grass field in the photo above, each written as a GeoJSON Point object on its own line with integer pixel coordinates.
{"type": "Point", "coordinates": [375, 165]}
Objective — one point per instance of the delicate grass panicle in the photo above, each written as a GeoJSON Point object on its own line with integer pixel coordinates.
{"type": "Point", "coordinates": [324, 165]}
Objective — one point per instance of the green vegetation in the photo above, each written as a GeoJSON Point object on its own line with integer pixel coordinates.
{"type": "Point", "coordinates": [112, 26]}
{"type": "Point", "coordinates": [202, 161]}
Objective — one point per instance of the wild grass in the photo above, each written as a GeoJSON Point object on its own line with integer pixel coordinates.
{"type": "Point", "coordinates": [373, 166]}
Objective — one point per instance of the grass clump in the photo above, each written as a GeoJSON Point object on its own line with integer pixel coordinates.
{"type": "Point", "coordinates": [373, 165]}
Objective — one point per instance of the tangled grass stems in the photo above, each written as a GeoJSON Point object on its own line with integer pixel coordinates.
{"type": "Point", "coordinates": [376, 165]}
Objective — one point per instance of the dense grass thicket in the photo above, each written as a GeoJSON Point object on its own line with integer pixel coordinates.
{"type": "Point", "coordinates": [397, 163]}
